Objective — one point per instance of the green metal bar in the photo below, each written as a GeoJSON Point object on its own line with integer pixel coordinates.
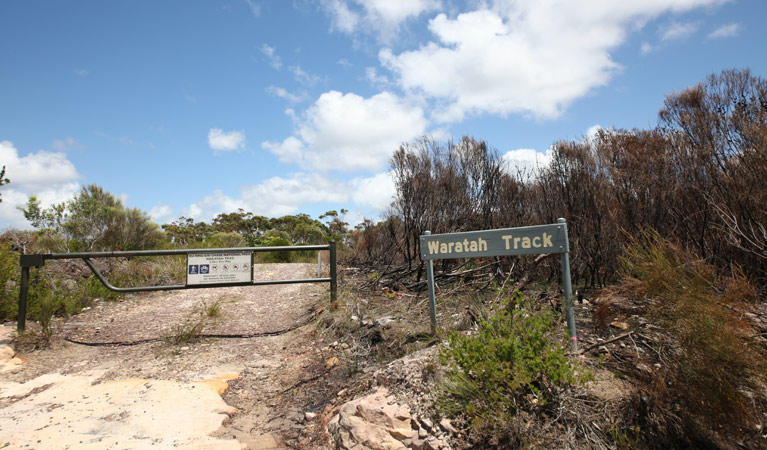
{"type": "Point", "coordinates": [126, 254]}
{"type": "Point", "coordinates": [333, 273]}
{"type": "Point", "coordinates": [568, 287]}
{"type": "Point", "coordinates": [21, 321]}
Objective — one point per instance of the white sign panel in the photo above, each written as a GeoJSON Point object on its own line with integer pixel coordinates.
{"type": "Point", "coordinates": [216, 268]}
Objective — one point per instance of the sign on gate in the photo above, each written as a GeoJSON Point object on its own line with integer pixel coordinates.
{"type": "Point", "coordinates": [536, 239]}
{"type": "Point", "coordinates": [218, 268]}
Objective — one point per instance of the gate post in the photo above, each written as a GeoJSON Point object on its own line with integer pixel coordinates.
{"type": "Point", "coordinates": [21, 320]}
{"type": "Point", "coordinates": [333, 274]}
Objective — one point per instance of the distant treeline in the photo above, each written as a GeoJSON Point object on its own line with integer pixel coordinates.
{"type": "Point", "coordinates": [699, 178]}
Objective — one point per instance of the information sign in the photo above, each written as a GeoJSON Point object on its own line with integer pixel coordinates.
{"type": "Point", "coordinates": [219, 268]}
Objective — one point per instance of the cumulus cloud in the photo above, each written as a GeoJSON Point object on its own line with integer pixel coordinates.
{"type": "Point", "coordinates": [49, 176]}
{"type": "Point", "coordinates": [162, 214]}
{"type": "Point", "coordinates": [532, 57]}
{"type": "Point", "coordinates": [274, 197]}
{"type": "Point", "coordinates": [374, 194]}
{"type": "Point", "coordinates": [221, 140]}
{"type": "Point", "coordinates": [526, 162]}
{"type": "Point", "coordinates": [725, 31]}
{"type": "Point", "coordinates": [279, 196]}
{"type": "Point", "coordinates": [348, 132]}
{"type": "Point", "coordinates": [383, 17]}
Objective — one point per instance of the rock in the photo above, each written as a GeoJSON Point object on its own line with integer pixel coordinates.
{"type": "Point", "coordinates": [372, 422]}
{"type": "Point", "coordinates": [446, 425]}
{"type": "Point", "coordinates": [332, 362]}
{"type": "Point", "coordinates": [428, 424]}
{"type": "Point", "coordinates": [433, 443]}
{"type": "Point", "coordinates": [354, 318]}
{"type": "Point", "coordinates": [422, 434]}
{"type": "Point", "coordinates": [309, 416]}
{"type": "Point", "coordinates": [385, 320]}
{"type": "Point", "coordinates": [6, 353]}
{"type": "Point", "coordinates": [622, 325]}
{"type": "Point", "coordinates": [7, 334]}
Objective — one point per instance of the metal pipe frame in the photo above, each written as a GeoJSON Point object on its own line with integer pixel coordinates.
{"type": "Point", "coordinates": [38, 260]}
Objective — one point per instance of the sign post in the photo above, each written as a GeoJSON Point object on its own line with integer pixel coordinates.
{"type": "Point", "coordinates": [530, 240]}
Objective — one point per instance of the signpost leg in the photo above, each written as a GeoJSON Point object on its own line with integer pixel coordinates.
{"type": "Point", "coordinates": [22, 317]}
{"type": "Point", "coordinates": [567, 284]}
{"type": "Point", "coordinates": [432, 302]}
{"type": "Point", "coordinates": [319, 264]}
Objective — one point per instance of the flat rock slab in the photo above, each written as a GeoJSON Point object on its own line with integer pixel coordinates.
{"type": "Point", "coordinates": [75, 411]}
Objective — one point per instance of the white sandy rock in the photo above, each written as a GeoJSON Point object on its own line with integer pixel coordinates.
{"type": "Point", "coordinates": [374, 422]}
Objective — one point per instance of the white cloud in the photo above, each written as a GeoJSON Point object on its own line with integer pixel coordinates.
{"type": "Point", "coordinates": [383, 17]}
{"type": "Point", "coordinates": [285, 94]}
{"type": "Point", "coordinates": [526, 162]}
{"type": "Point", "coordinates": [65, 144]}
{"type": "Point", "coordinates": [220, 140]}
{"type": "Point", "coordinates": [344, 19]}
{"type": "Point", "coordinates": [162, 214]}
{"type": "Point", "coordinates": [676, 30]}
{"type": "Point", "coordinates": [271, 54]}
{"type": "Point", "coordinates": [278, 196]}
{"type": "Point", "coordinates": [49, 176]}
{"type": "Point", "coordinates": [255, 8]}
{"type": "Point", "coordinates": [725, 31]}
{"type": "Point", "coordinates": [376, 80]}
{"type": "Point", "coordinates": [348, 132]}
{"type": "Point", "coordinates": [274, 197]}
{"type": "Point", "coordinates": [646, 48]}
{"type": "Point", "coordinates": [374, 194]}
{"type": "Point", "coordinates": [532, 57]}
{"type": "Point", "coordinates": [305, 78]}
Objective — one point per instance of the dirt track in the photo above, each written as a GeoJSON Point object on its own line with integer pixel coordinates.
{"type": "Point", "coordinates": [261, 341]}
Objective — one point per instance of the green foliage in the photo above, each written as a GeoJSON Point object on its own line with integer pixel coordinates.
{"type": "Point", "coordinates": [274, 238]}
{"type": "Point", "coordinates": [94, 220]}
{"type": "Point", "coordinates": [225, 240]}
{"type": "Point", "coordinates": [514, 362]}
{"type": "Point", "coordinates": [9, 281]}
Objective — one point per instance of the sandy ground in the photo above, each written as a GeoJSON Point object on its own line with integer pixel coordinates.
{"type": "Point", "coordinates": [112, 379]}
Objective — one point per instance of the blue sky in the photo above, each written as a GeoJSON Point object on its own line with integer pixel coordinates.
{"type": "Point", "coordinates": [278, 107]}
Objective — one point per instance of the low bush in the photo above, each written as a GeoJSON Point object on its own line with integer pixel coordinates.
{"type": "Point", "coordinates": [515, 361]}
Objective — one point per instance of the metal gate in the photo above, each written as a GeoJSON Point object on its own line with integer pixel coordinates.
{"type": "Point", "coordinates": [199, 281]}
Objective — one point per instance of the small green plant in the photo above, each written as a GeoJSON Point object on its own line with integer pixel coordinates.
{"type": "Point", "coordinates": [515, 361]}
{"type": "Point", "coordinates": [186, 332]}
{"type": "Point", "coordinates": [214, 309]}
{"type": "Point", "coordinates": [46, 312]}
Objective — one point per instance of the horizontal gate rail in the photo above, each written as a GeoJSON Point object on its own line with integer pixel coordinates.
{"type": "Point", "coordinates": [38, 260]}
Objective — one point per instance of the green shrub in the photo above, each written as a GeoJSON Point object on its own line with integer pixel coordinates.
{"type": "Point", "coordinates": [274, 257]}
{"type": "Point", "coordinates": [9, 282]}
{"type": "Point", "coordinates": [514, 361]}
